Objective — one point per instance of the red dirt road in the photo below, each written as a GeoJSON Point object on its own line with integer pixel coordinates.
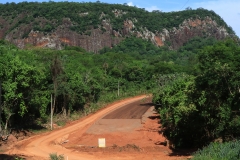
{"type": "Point", "coordinates": [77, 141]}
{"type": "Point", "coordinates": [133, 110]}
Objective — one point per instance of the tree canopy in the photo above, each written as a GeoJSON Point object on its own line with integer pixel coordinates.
{"type": "Point", "coordinates": [198, 110]}
{"type": "Point", "coordinates": [46, 16]}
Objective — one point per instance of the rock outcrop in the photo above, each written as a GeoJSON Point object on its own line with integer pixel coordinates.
{"type": "Point", "coordinates": [105, 36]}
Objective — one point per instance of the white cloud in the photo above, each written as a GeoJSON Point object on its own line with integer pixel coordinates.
{"type": "Point", "coordinates": [130, 3]}
{"type": "Point", "coordinates": [228, 10]}
{"type": "Point", "coordinates": [150, 9]}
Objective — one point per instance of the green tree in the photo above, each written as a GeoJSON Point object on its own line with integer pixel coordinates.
{"type": "Point", "coordinates": [218, 90]}
{"type": "Point", "coordinates": [19, 83]}
{"type": "Point", "coordinates": [197, 110]}
{"type": "Point", "coordinates": [176, 108]}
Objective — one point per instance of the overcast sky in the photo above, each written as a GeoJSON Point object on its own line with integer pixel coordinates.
{"type": "Point", "coordinates": [229, 10]}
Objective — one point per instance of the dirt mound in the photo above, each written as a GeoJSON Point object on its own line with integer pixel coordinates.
{"type": "Point", "coordinates": [12, 139]}
{"type": "Point", "coordinates": [21, 134]}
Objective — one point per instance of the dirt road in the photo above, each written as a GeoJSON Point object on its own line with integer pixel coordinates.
{"type": "Point", "coordinates": [68, 141]}
{"type": "Point", "coordinates": [133, 110]}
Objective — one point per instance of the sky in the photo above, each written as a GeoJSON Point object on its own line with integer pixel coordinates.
{"type": "Point", "coordinates": [229, 10]}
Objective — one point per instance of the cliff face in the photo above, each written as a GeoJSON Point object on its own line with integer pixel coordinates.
{"type": "Point", "coordinates": [104, 35]}
{"type": "Point", "coordinates": [176, 37]}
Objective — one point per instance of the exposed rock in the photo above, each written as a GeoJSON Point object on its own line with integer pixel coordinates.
{"type": "Point", "coordinates": [105, 36]}
{"type": "Point", "coordinates": [102, 15]}
{"type": "Point", "coordinates": [159, 41]}
{"type": "Point", "coordinates": [118, 13]}
{"type": "Point", "coordinates": [191, 28]}
{"type": "Point", "coordinates": [83, 14]}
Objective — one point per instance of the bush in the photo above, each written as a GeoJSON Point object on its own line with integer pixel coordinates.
{"type": "Point", "coordinates": [54, 156]}
{"type": "Point", "coordinates": [219, 151]}
{"type": "Point", "coordinates": [176, 111]}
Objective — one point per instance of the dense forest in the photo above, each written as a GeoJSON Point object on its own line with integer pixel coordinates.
{"type": "Point", "coordinates": [54, 12]}
{"type": "Point", "coordinates": [78, 80]}
{"type": "Point", "coordinates": [202, 108]}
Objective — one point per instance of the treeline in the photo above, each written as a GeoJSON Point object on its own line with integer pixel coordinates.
{"type": "Point", "coordinates": [86, 16]}
{"type": "Point", "coordinates": [198, 109]}
{"type": "Point", "coordinates": [78, 80]}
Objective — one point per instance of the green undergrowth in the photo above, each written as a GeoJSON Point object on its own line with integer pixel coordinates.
{"type": "Point", "coordinates": [54, 156]}
{"type": "Point", "coordinates": [104, 100]}
{"type": "Point", "coordinates": [219, 151]}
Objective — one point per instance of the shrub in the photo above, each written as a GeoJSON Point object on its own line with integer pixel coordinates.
{"type": "Point", "coordinates": [54, 156]}
{"type": "Point", "coordinates": [219, 151]}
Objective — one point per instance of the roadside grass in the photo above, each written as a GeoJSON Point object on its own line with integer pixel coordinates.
{"type": "Point", "coordinates": [59, 120]}
{"type": "Point", "coordinates": [39, 131]}
{"type": "Point", "coordinates": [54, 156]}
{"type": "Point", "coordinates": [103, 101]}
{"type": "Point", "coordinates": [219, 151]}
{"type": "Point", "coordinates": [38, 128]}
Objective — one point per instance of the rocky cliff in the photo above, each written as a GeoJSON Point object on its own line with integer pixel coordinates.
{"type": "Point", "coordinates": [56, 34]}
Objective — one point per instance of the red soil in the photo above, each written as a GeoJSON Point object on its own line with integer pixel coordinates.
{"type": "Point", "coordinates": [137, 138]}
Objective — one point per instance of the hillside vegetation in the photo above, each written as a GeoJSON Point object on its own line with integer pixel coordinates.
{"type": "Point", "coordinates": [86, 15]}
{"type": "Point", "coordinates": [93, 26]}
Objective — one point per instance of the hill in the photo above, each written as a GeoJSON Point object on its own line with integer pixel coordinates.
{"type": "Point", "coordinates": [94, 26]}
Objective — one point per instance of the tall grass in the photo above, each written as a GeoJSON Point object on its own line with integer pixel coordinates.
{"type": "Point", "coordinates": [219, 151]}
